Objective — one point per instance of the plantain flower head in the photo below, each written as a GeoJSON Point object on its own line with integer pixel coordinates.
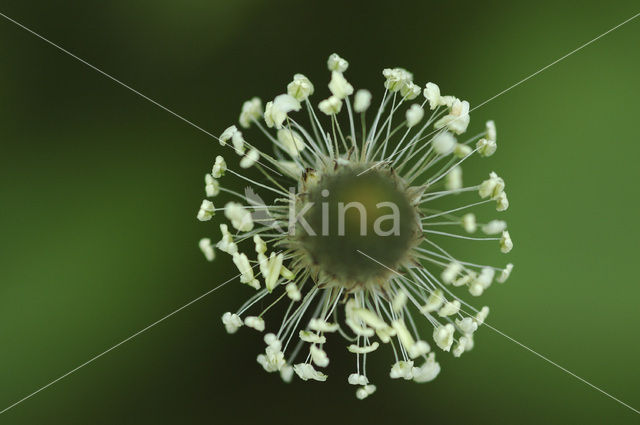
{"type": "Point", "coordinates": [350, 235]}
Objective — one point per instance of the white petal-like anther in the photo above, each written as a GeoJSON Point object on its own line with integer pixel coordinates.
{"type": "Point", "coordinates": [410, 91]}
{"type": "Point", "coordinates": [319, 356]}
{"type": "Point", "coordinates": [402, 369]}
{"type": "Point", "coordinates": [219, 167]}
{"type": "Point", "coordinates": [482, 315]}
{"type": "Point", "coordinates": [461, 150]}
{"type": "Point", "coordinates": [226, 244]}
{"type": "Point", "coordinates": [434, 302]}
{"type": "Point", "coordinates": [227, 134]}
{"type": "Point", "coordinates": [300, 88]}
{"type": "Point", "coordinates": [492, 187]}
{"type": "Point", "coordinates": [467, 325]}
{"type": "Point", "coordinates": [306, 371]}
{"type": "Point", "coordinates": [428, 371]}
{"type": "Point", "coordinates": [320, 325]}
{"type": "Point", "coordinates": [504, 275]}
{"type": "Point", "coordinates": [291, 142]}
{"type": "Point", "coordinates": [502, 202]}
{"type": "Point", "coordinates": [460, 347]}
{"type": "Point", "coordinates": [363, 349]}
{"type": "Point", "coordinates": [469, 222]}
{"type": "Point", "coordinates": [254, 322]}
{"type": "Point", "coordinates": [451, 272]}
{"type": "Point", "coordinates": [232, 322]}
{"type": "Point", "coordinates": [293, 292]}
{"type": "Point", "coordinates": [444, 143]}
{"type": "Point", "coordinates": [246, 271]}
{"type": "Point", "coordinates": [420, 348]}
{"type": "Point", "coordinates": [240, 218]}
{"type": "Point", "coordinates": [506, 244]}
{"type": "Point", "coordinates": [414, 115]}
{"type": "Point", "coordinates": [365, 391]}
{"type": "Point", "coordinates": [270, 269]}
{"type": "Point", "coordinates": [356, 379]}
{"type": "Point", "coordinates": [486, 147]}
{"type": "Point", "coordinates": [399, 301]}
{"type": "Point", "coordinates": [407, 341]}
{"type": "Point", "coordinates": [272, 340]}
{"type": "Point", "coordinates": [286, 373]}
{"type": "Point", "coordinates": [261, 246]}
{"type": "Point", "coordinates": [465, 279]}
{"type": "Point", "coordinates": [432, 93]}
{"type": "Point", "coordinates": [449, 308]}
{"type": "Point", "coordinates": [458, 119]}
{"type": "Point", "coordinates": [207, 249]}
{"type": "Point", "coordinates": [251, 111]}
{"type": "Point", "coordinates": [476, 289]}
{"type": "Point", "coordinates": [336, 63]}
{"type": "Point", "coordinates": [362, 100]}
{"type": "Point", "coordinates": [453, 180]}
{"type": "Point", "coordinates": [396, 78]}
{"type": "Point", "coordinates": [276, 112]}
{"type": "Point", "coordinates": [312, 337]}
{"type": "Point", "coordinates": [486, 277]}
{"type": "Point", "coordinates": [443, 336]}
{"type": "Point", "coordinates": [330, 106]}
{"type": "Point", "coordinates": [250, 159]}
{"type": "Point", "coordinates": [339, 86]}
{"type": "Point", "coordinates": [494, 227]}
{"type": "Point", "coordinates": [207, 211]}
{"type": "Point", "coordinates": [491, 130]}
{"type": "Point", "coordinates": [272, 360]}
{"type": "Point", "coordinates": [358, 329]}
{"type": "Point", "coordinates": [211, 186]}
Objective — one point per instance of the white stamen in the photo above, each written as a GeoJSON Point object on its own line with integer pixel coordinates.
{"type": "Point", "coordinates": [363, 349]}
{"type": "Point", "coordinates": [231, 322]}
{"type": "Point", "coordinates": [330, 106]}
{"type": "Point", "coordinates": [494, 227]}
{"type": "Point", "coordinates": [250, 159]}
{"type": "Point", "coordinates": [432, 94]}
{"type": "Point", "coordinates": [319, 356]}
{"type": "Point", "coordinates": [240, 218]}
{"type": "Point", "coordinates": [428, 371]}
{"type": "Point", "coordinates": [443, 336]}
{"type": "Point", "coordinates": [300, 88]}
{"type": "Point", "coordinates": [336, 63]}
{"type": "Point", "coordinates": [506, 244]}
{"type": "Point", "coordinates": [251, 111]}
{"type": "Point", "coordinates": [211, 186]}
{"type": "Point", "coordinates": [504, 275]}
{"type": "Point", "coordinates": [306, 371]}
{"type": "Point", "coordinates": [254, 322]}
{"type": "Point", "coordinates": [219, 167]}
{"type": "Point", "coordinates": [207, 211]}
{"type": "Point", "coordinates": [227, 134]}
{"type": "Point", "coordinates": [207, 249]}
{"type": "Point", "coordinates": [339, 86]}
{"type": "Point", "coordinates": [402, 369]}
{"type": "Point", "coordinates": [362, 101]}
{"type": "Point", "coordinates": [414, 115]}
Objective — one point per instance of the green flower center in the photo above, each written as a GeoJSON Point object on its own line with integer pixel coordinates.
{"type": "Point", "coordinates": [351, 217]}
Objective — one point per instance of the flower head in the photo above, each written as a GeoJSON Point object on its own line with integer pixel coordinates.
{"type": "Point", "coordinates": [350, 239]}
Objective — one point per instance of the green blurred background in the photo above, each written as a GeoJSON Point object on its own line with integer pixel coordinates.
{"type": "Point", "coordinates": [99, 190]}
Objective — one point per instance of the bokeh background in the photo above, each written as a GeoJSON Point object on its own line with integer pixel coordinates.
{"type": "Point", "coordinates": [99, 190]}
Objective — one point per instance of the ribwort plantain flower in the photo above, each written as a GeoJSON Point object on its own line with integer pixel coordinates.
{"type": "Point", "coordinates": [350, 242]}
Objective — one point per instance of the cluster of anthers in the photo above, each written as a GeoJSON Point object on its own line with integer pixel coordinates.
{"type": "Point", "coordinates": [367, 287]}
